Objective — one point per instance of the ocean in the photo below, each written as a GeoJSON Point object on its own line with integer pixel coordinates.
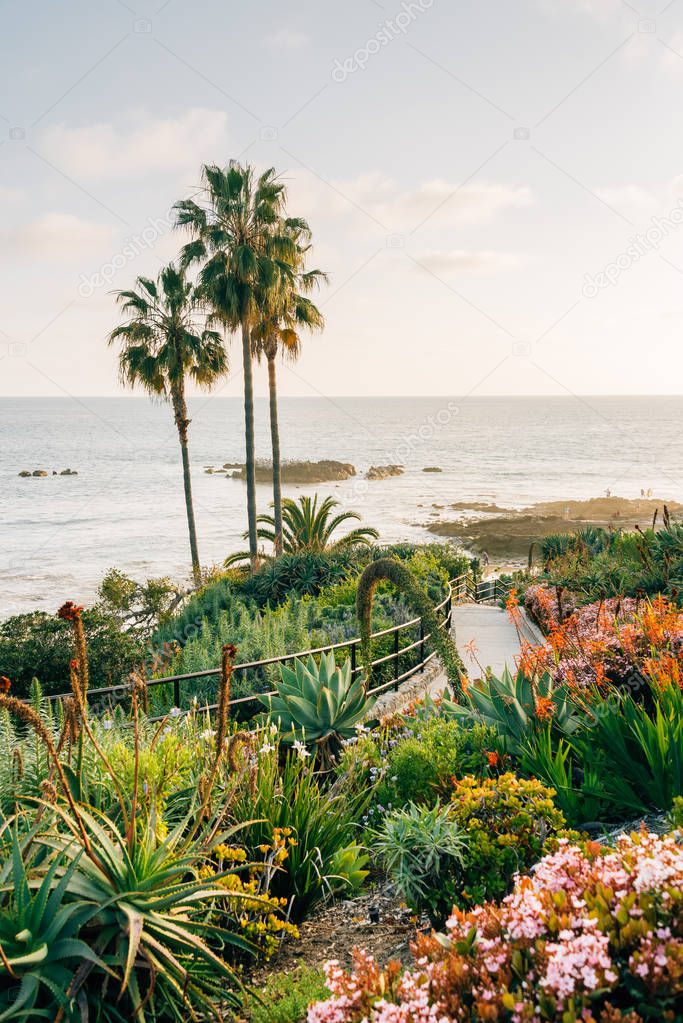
{"type": "Point", "coordinates": [125, 507]}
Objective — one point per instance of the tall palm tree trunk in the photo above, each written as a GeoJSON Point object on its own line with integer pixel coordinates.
{"type": "Point", "coordinates": [275, 443]}
{"type": "Point", "coordinates": [182, 423]}
{"type": "Point", "coordinates": [250, 444]}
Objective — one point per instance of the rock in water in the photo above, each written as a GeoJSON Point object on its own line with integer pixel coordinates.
{"type": "Point", "coordinates": [24, 473]}
{"type": "Point", "coordinates": [383, 472]}
{"type": "Point", "coordinates": [432, 468]}
{"type": "Point", "coordinates": [39, 472]}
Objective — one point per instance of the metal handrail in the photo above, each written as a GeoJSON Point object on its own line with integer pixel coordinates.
{"type": "Point", "coordinates": [461, 584]}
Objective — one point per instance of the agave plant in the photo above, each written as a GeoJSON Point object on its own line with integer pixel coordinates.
{"type": "Point", "coordinates": [142, 902]}
{"type": "Point", "coordinates": [41, 952]}
{"type": "Point", "coordinates": [319, 704]}
{"type": "Point", "coordinates": [515, 705]}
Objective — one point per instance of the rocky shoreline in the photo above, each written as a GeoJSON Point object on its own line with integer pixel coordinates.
{"type": "Point", "coordinates": [508, 532]}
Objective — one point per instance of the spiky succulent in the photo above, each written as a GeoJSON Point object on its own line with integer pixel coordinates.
{"type": "Point", "coordinates": [318, 704]}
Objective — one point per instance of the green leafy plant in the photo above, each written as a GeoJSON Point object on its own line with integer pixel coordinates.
{"type": "Point", "coordinates": [319, 704]}
{"type": "Point", "coordinates": [423, 850]}
{"type": "Point", "coordinates": [36, 645]}
{"type": "Point", "coordinates": [516, 706]}
{"type": "Point", "coordinates": [578, 791]}
{"type": "Point", "coordinates": [41, 953]}
{"type": "Point", "coordinates": [285, 997]}
{"type": "Point", "coordinates": [507, 823]}
{"type": "Point", "coordinates": [402, 578]}
{"type": "Point", "coordinates": [327, 857]}
{"type": "Point", "coordinates": [422, 766]}
{"type": "Point", "coordinates": [309, 526]}
{"type": "Point", "coordinates": [634, 752]}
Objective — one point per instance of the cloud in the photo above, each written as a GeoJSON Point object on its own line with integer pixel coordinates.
{"type": "Point", "coordinates": [287, 39]}
{"type": "Point", "coordinates": [61, 236]}
{"type": "Point", "coordinates": [438, 202]}
{"type": "Point", "coordinates": [445, 262]}
{"type": "Point", "coordinates": [632, 198]}
{"type": "Point", "coordinates": [142, 145]}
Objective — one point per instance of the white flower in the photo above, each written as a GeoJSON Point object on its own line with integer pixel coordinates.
{"type": "Point", "coordinates": [174, 712]}
{"type": "Point", "coordinates": [301, 750]}
{"type": "Point", "coordinates": [207, 735]}
{"type": "Point", "coordinates": [266, 748]}
{"type": "Point", "coordinates": [273, 729]}
{"type": "Point", "coordinates": [361, 729]}
{"type": "Point", "coordinates": [107, 724]}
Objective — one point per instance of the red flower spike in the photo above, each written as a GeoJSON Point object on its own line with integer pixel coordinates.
{"type": "Point", "coordinates": [69, 611]}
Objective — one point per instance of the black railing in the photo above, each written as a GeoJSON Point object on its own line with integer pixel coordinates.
{"type": "Point", "coordinates": [462, 589]}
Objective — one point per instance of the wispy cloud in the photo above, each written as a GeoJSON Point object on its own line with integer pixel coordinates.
{"type": "Point", "coordinates": [401, 209]}
{"type": "Point", "coordinates": [144, 145]}
{"type": "Point", "coordinates": [485, 261]}
{"type": "Point", "coordinates": [60, 236]}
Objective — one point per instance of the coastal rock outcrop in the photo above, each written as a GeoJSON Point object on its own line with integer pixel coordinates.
{"type": "Point", "coordinates": [27, 474]}
{"type": "Point", "coordinates": [327, 470]}
{"type": "Point", "coordinates": [383, 472]}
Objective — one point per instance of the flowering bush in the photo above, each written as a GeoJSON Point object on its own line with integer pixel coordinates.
{"type": "Point", "coordinates": [608, 641]}
{"type": "Point", "coordinates": [594, 934]}
{"type": "Point", "coordinates": [415, 761]}
{"type": "Point", "coordinates": [506, 823]}
{"type": "Point", "coordinates": [248, 907]}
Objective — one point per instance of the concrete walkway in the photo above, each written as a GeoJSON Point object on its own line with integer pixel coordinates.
{"type": "Point", "coordinates": [486, 638]}
{"type": "Point", "coordinates": [496, 644]}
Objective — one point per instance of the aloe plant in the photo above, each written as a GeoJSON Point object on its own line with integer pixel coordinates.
{"type": "Point", "coordinates": [511, 704]}
{"type": "Point", "coordinates": [142, 903]}
{"type": "Point", "coordinates": [42, 954]}
{"type": "Point", "coordinates": [319, 704]}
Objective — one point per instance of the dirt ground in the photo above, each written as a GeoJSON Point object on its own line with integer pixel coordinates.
{"type": "Point", "coordinates": [333, 932]}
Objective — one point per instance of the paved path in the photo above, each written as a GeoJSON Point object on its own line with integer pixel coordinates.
{"type": "Point", "coordinates": [496, 645]}
{"type": "Point", "coordinates": [491, 633]}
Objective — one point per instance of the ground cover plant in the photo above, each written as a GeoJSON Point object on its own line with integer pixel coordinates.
{"type": "Point", "coordinates": [593, 934]}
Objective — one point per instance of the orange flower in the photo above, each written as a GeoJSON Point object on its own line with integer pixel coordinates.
{"type": "Point", "coordinates": [69, 611]}
{"type": "Point", "coordinates": [492, 758]}
{"type": "Point", "coordinates": [544, 708]}
{"type": "Point", "coordinates": [4, 685]}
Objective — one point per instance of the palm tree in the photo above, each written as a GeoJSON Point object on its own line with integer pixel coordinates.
{"type": "Point", "coordinates": [309, 527]}
{"type": "Point", "coordinates": [285, 313]}
{"type": "Point", "coordinates": [245, 255]}
{"type": "Point", "coordinates": [163, 345]}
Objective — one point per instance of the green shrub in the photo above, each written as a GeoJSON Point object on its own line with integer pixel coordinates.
{"type": "Point", "coordinates": [285, 997]}
{"type": "Point", "coordinates": [627, 759]}
{"type": "Point", "coordinates": [507, 823]}
{"type": "Point", "coordinates": [423, 851]}
{"type": "Point", "coordinates": [677, 812]}
{"type": "Point", "coordinates": [422, 768]}
{"type": "Point", "coordinates": [326, 858]}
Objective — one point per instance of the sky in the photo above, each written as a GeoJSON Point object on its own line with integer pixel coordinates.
{"type": "Point", "coordinates": [495, 189]}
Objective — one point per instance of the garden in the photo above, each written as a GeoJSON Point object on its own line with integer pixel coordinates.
{"type": "Point", "coordinates": [520, 835]}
